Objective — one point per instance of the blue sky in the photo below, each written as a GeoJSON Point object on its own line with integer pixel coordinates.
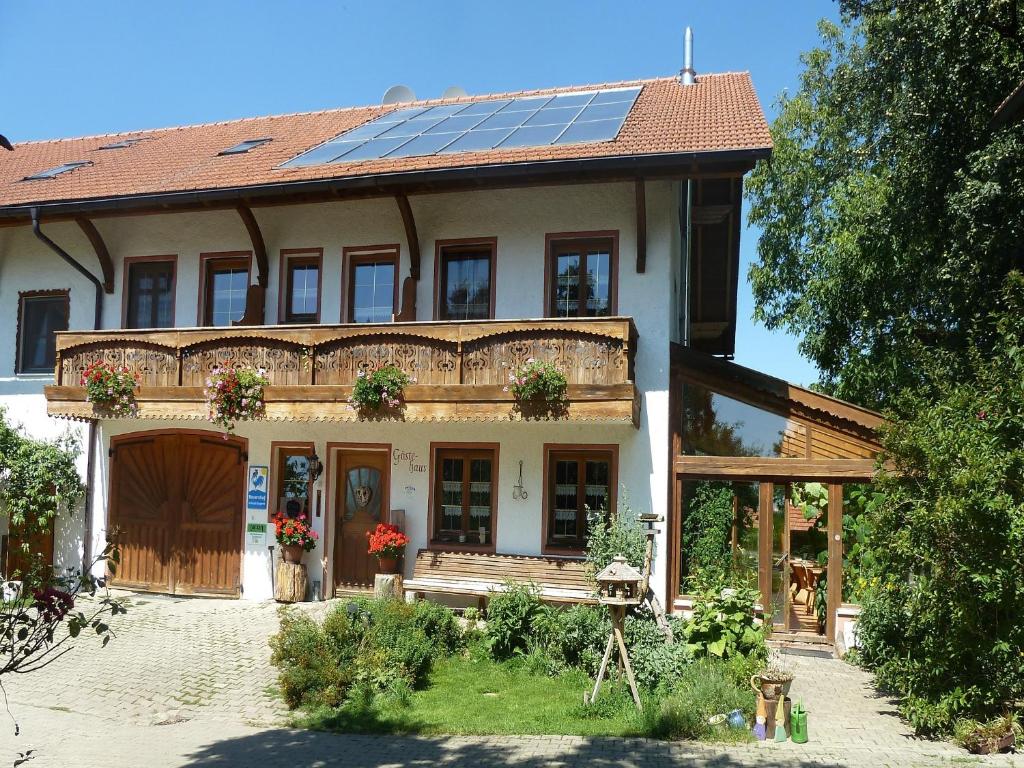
{"type": "Point", "coordinates": [74, 68]}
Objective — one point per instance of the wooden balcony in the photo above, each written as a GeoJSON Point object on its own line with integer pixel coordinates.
{"type": "Point", "coordinates": [461, 368]}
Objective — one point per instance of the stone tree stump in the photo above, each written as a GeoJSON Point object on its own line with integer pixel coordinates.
{"type": "Point", "coordinates": [387, 585]}
{"type": "Point", "coordinates": [290, 582]}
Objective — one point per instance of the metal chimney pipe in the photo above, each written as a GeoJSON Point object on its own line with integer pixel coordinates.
{"type": "Point", "coordinates": [688, 74]}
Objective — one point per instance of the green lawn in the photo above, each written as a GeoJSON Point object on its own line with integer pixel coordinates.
{"type": "Point", "coordinates": [479, 696]}
{"type": "Point", "coordinates": [470, 695]}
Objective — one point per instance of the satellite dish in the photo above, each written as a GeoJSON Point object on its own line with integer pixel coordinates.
{"type": "Point", "coordinates": [397, 94]}
{"type": "Point", "coordinates": [454, 92]}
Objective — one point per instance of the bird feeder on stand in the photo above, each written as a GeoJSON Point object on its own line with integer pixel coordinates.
{"type": "Point", "coordinates": [619, 587]}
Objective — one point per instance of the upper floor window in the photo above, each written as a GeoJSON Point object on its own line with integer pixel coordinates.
{"type": "Point", "coordinates": [580, 275]}
{"type": "Point", "coordinates": [40, 315]}
{"type": "Point", "coordinates": [300, 286]}
{"type": "Point", "coordinates": [372, 285]}
{"type": "Point", "coordinates": [580, 481]}
{"type": "Point", "coordinates": [149, 285]}
{"type": "Point", "coordinates": [224, 287]}
{"type": "Point", "coordinates": [465, 279]}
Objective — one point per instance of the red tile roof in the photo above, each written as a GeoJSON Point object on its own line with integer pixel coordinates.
{"type": "Point", "coordinates": [720, 112]}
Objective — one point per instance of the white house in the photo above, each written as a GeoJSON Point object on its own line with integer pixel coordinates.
{"type": "Point", "coordinates": [596, 227]}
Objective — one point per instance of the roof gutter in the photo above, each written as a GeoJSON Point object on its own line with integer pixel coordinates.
{"type": "Point", "coordinates": [98, 310]}
{"type": "Point", "coordinates": [555, 171]}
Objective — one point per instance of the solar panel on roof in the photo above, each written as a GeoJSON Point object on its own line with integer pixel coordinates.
{"type": "Point", "coordinates": [527, 121]}
{"type": "Point", "coordinates": [243, 146]}
{"type": "Point", "coordinates": [125, 143]}
{"type": "Point", "coordinates": [50, 173]}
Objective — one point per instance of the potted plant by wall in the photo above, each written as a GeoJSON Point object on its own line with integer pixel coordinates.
{"type": "Point", "coordinates": [234, 394]}
{"type": "Point", "coordinates": [294, 535]}
{"type": "Point", "coordinates": [774, 680]}
{"type": "Point", "coordinates": [539, 389]}
{"type": "Point", "coordinates": [111, 389]}
{"type": "Point", "coordinates": [987, 738]}
{"type": "Point", "coordinates": [379, 390]}
{"type": "Point", "coordinates": [387, 544]}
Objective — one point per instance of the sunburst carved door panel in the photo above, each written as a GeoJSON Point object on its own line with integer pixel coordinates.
{"type": "Point", "coordinates": [176, 500]}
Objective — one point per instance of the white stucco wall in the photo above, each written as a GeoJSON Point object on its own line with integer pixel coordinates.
{"type": "Point", "coordinates": [519, 219]}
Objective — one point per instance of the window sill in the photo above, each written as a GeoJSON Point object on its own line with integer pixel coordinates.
{"type": "Point", "coordinates": [456, 546]}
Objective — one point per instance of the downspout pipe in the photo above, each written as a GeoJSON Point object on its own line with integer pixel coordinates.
{"type": "Point", "coordinates": [90, 460]}
{"type": "Point", "coordinates": [98, 313]}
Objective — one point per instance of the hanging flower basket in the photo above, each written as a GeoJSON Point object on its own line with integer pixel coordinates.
{"type": "Point", "coordinates": [539, 389]}
{"type": "Point", "coordinates": [111, 389]}
{"type": "Point", "coordinates": [379, 390]}
{"type": "Point", "coordinates": [235, 394]}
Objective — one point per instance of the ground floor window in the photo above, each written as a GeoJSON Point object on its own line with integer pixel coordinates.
{"type": "Point", "coordinates": [465, 490]}
{"type": "Point", "coordinates": [580, 481]}
{"type": "Point", "coordinates": [291, 479]}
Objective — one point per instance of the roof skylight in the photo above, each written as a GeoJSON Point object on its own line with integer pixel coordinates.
{"type": "Point", "coordinates": [57, 171]}
{"type": "Point", "coordinates": [527, 121]}
{"type": "Point", "coordinates": [244, 146]}
{"type": "Point", "coordinates": [125, 143]}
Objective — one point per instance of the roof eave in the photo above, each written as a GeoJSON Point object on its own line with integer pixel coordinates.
{"type": "Point", "coordinates": [679, 164]}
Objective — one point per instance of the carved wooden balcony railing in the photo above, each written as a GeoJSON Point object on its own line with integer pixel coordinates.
{"type": "Point", "coordinates": [461, 368]}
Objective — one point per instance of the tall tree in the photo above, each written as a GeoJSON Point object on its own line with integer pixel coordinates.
{"type": "Point", "coordinates": [892, 209]}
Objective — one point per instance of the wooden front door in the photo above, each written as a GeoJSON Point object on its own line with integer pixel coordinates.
{"type": "Point", "coordinates": [361, 501]}
{"type": "Point", "coordinates": [176, 501]}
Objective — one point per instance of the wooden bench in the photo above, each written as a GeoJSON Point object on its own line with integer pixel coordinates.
{"type": "Point", "coordinates": [559, 579]}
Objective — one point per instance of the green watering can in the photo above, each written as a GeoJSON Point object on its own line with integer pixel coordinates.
{"type": "Point", "coordinates": [798, 724]}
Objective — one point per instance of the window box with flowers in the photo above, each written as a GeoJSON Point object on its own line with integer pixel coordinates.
{"type": "Point", "coordinates": [235, 394]}
{"type": "Point", "coordinates": [387, 544]}
{"type": "Point", "coordinates": [539, 389]}
{"type": "Point", "coordinates": [111, 389]}
{"type": "Point", "coordinates": [295, 535]}
{"type": "Point", "coordinates": [379, 390]}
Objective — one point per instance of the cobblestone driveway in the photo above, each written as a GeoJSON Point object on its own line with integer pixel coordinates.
{"type": "Point", "coordinates": [185, 683]}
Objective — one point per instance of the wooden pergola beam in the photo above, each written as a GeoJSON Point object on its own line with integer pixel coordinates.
{"type": "Point", "coordinates": [641, 226]}
{"type": "Point", "coordinates": [411, 238]}
{"type": "Point", "coordinates": [774, 470]}
{"type": "Point", "coordinates": [100, 248]}
{"type": "Point", "coordinates": [259, 247]}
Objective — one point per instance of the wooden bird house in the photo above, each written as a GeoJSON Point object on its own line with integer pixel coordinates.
{"type": "Point", "coordinates": [619, 583]}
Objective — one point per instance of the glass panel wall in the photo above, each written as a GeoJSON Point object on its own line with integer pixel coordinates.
{"type": "Point", "coordinates": [719, 533]}
{"type": "Point", "coordinates": [716, 425]}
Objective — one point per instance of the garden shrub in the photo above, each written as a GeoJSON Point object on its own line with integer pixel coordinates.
{"type": "Point", "coordinates": [582, 634]}
{"type": "Point", "coordinates": [655, 662]}
{"type": "Point", "coordinates": [616, 534]}
{"type": "Point", "coordinates": [943, 613]}
{"type": "Point", "coordinates": [704, 688]}
{"type": "Point", "coordinates": [723, 622]}
{"type": "Point", "coordinates": [361, 649]}
{"type": "Point", "coordinates": [511, 618]}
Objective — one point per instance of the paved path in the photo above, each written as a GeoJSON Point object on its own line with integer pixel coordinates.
{"type": "Point", "coordinates": [186, 683]}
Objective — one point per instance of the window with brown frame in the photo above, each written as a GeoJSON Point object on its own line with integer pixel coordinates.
{"type": "Point", "coordinates": [226, 283]}
{"type": "Point", "coordinates": [578, 480]}
{"type": "Point", "coordinates": [464, 495]}
{"type": "Point", "coordinates": [372, 287]}
{"type": "Point", "coordinates": [291, 479]}
{"type": "Point", "coordinates": [301, 285]}
{"type": "Point", "coordinates": [581, 276]}
{"type": "Point", "coordinates": [150, 287]}
{"type": "Point", "coordinates": [40, 315]}
{"type": "Point", "coordinates": [465, 280]}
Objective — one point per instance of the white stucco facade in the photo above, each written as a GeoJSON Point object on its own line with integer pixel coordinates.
{"type": "Point", "coordinates": [519, 220]}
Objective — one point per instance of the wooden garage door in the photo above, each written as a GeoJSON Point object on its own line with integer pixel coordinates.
{"type": "Point", "coordinates": [176, 502]}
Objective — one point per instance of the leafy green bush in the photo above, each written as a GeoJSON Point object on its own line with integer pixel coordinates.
{"type": "Point", "coordinates": [611, 535]}
{"type": "Point", "coordinates": [655, 662]}
{"type": "Point", "coordinates": [511, 616]}
{"type": "Point", "coordinates": [707, 527]}
{"type": "Point", "coordinates": [576, 636]}
{"type": "Point", "coordinates": [704, 688]}
{"type": "Point", "coordinates": [943, 615]}
{"type": "Point", "coordinates": [723, 621]}
{"type": "Point", "coordinates": [361, 649]}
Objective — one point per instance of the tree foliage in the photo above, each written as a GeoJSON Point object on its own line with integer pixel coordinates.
{"type": "Point", "coordinates": [943, 618]}
{"type": "Point", "coordinates": [891, 209]}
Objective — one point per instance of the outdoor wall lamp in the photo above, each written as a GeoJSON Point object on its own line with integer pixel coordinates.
{"type": "Point", "coordinates": [315, 468]}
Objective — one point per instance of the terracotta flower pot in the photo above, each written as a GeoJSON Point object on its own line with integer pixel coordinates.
{"type": "Point", "coordinates": [387, 565]}
{"type": "Point", "coordinates": [292, 553]}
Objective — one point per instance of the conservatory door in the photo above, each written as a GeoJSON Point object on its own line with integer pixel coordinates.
{"type": "Point", "coordinates": [361, 502]}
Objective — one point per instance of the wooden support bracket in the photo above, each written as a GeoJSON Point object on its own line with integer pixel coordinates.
{"type": "Point", "coordinates": [641, 226]}
{"type": "Point", "coordinates": [100, 248]}
{"type": "Point", "coordinates": [412, 239]}
{"type": "Point", "coordinates": [259, 248]}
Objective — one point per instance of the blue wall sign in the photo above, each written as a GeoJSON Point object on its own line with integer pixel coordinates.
{"type": "Point", "coordinates": [256, 498]}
